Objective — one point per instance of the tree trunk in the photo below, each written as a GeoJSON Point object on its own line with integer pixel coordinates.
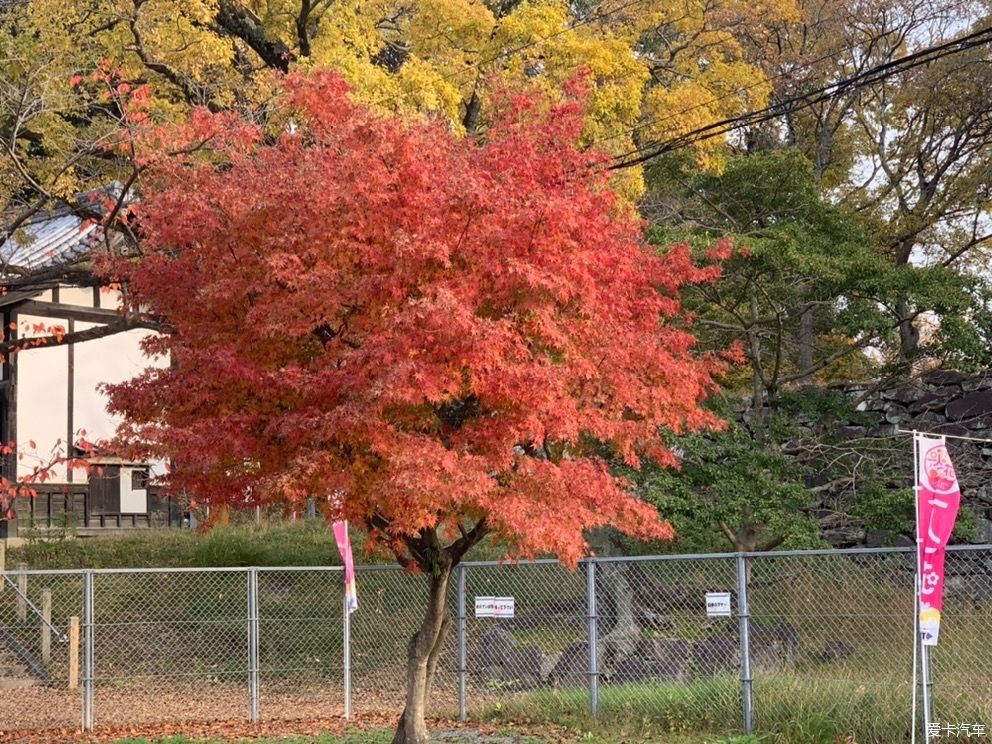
{"type": "Point", "coordinates": [422, 656]}
{"type": "Point", "coordinates": [804, 340]}
{"type": "Point", "coordinates": [909, 335]}
{"type": "Point", "coordinates": [619, 629]}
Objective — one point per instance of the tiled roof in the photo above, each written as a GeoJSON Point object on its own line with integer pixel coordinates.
{"type": "Point", "coordinates": [57, 236]}
{"type": "Point", "coordinates": [50, 239]}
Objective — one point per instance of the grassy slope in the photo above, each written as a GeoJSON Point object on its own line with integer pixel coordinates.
{"type": "Point", "coordinates": [303, 543]}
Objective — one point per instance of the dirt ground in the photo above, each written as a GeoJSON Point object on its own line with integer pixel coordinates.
{"type": "Point", "coordinates": [167, 702]}
{"type": "Point", "coordinates": [224, 730]}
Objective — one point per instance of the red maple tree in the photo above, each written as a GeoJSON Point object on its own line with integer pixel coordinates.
{"type": "Point", "coordinates": [444, 339]}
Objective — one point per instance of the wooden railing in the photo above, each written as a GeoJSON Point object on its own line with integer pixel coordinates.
{"type": "Point", "coordinates": [56, 507]}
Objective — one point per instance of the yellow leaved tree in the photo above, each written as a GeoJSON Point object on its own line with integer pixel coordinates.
{"type": "Point", "coordinates": [658, 67]}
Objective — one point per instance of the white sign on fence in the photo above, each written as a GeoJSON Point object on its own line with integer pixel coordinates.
{"type": "Point", "coordinates": [494, 606]}
{"type": "Point", "coordinates": [718, 604]}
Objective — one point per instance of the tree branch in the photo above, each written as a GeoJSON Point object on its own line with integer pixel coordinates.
{"type": "Point", "coordinates": [302, 32]}
{"type": "Point", "coordinates": [725, 528]}
{"type": "Point", "coordinates": [239, 21]}
{"type": "Point", "coordinates": [462, 545]}
{"type": "Point", "coordinates": [126, 323]}
{"type": "Point", "coordinates": [193, 93]}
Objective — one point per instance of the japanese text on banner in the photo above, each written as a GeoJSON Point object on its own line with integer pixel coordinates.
{"type": "Point", "coordinates": [937, 501]}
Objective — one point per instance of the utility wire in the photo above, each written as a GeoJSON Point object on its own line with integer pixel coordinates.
{"type": "Point", "coordinates": [506, 53]}
{"type": "Point", "coordinates": [571, 27]}
{"type": "Point", "coordinates": [867, 77]}
{"type": "Point", "coordinates": [834, 53]}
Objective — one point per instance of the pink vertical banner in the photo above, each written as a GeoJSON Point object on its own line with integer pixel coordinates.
{"type": "Point", "coordinates": [344, 548]}
{"type": "Point", "coordinates": [937, 500]}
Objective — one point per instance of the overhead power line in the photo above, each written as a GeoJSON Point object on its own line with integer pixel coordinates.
{"type": "Point", "coordinates": [840, 51]}
{"type": "Point", "coordinates": [873, 75]}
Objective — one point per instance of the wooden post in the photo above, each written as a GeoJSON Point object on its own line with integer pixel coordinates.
{"type": "Point", "coordinates": [73, 653]}
{"type": "Point", "coordinates": [46, 631]}
{"type": "Point", "coordinates": [22, 586]}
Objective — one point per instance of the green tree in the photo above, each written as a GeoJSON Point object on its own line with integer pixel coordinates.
{"type": "Point", "coordinates": [810, 300]}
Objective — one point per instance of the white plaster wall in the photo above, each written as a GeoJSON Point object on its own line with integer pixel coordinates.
{"type": "Point", "coordinates": [110, 360]}
{"type": "Point", "coordinates": [79, 296]}
{"type": "Point", "coordinates": [42, 400]}
{"type": "Point", "coordinates": [110, 298]}
{"type": "Point", "coordinates": [132, 501]}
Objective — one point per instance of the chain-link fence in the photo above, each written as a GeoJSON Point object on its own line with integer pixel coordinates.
{"type": "Point", "coordinates": [721, 643]}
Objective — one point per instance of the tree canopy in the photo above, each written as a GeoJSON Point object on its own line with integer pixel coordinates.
{"type": "Point", "coordinates": [445, 339]}
{"type": "Point", "coordinates": [438, 331]}
{"type": "Point", "coordinates": [657, 66]}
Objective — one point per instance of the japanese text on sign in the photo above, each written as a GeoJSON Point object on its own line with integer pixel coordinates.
{"type": "Point", "coordinates": [494, 606]}
{"type": "Point", "coordinates": [718, 604]}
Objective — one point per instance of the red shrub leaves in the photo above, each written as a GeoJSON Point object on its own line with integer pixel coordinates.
{"type": "Point", "coordinates": [422, 329]}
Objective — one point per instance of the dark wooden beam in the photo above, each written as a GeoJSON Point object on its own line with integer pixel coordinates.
{"type": "Point", "coordinates": [15, 296]}
{"type": "Point", "coordinates": [75, 312]}
{"type": "Point", "coordinates": [71, 397]}
{"type": "Point", "coordinates": [10, 335]}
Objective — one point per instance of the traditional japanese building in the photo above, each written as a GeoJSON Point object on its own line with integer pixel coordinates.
{"type": "Point", "coordinates": [50, 397]}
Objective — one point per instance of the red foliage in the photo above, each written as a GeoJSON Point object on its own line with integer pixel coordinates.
{"type": "Point", "coordinates": [423, 328]}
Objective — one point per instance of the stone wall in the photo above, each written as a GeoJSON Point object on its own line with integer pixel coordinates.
{"type": "Point", "coordinates": [941, 401]}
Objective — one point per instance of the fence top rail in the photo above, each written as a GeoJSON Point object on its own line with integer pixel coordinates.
{"type": "Point", "coordinates": [823, 552]}
{"type": "Point", "coordinates": [67, 572]}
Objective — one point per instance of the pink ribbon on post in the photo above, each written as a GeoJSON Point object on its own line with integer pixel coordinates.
{"type": "Point", "coordinates": [344, 548]}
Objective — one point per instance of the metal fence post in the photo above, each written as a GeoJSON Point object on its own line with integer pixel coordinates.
{"type": "Point", "coordinates": [346, 615]}
{"type": "Point", "coordinates": [593, 649]}
{"type": "Point", "coordinates": [88, 641]}
{"type": "Point", "coordinates": [744, 616]}
{"type": "Point", "coordinates": [22, 591]}
{"type": "Point", "coordinates": [253, 645]}
{"type": "Point", "coordinates": [462, 655]}
{"type": "Point", "coordinates": [46, 625]}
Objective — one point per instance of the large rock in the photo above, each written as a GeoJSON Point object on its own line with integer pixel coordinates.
{"type": "Point", "coordinates": [887, 539]}
{"type": "Point", "coordinates": [716, 655]}
{"type": "Point", "coordinates": [495, 647]}
{"type": "Point", "coordinates": [970, 406]}
{"type": "Point", "coordinates": [766, 658]}
{"type": "Point", "coordinates": [783, 638]}
{"type": "Point", "coordinates": [982, 382]}
{"type": "Point", "coordinates": [773, 646]}
{"type": "Point", "coordinates": [904, 394]}
{"type": "Point", "coordinates": [501, 659]}
{"type": "Point", "coordinates": [927, 402]}
{"type": "Point", "coordinates": [835, 651]}
{"type": "Point", "coordinates": [523, 666]}
{"type": "Point", "coordinates": [662, 659]}
{"type": "Point", "coordinates": [845, 433]}
{"type": "Point", "coordinates": [572, 668]}
{"type": "Point", "coordinates": [943, 377]}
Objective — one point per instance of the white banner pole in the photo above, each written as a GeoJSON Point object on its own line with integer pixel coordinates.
{"type": "Point", "coordinates": [916, 592]}
{"type": "Point", "coordinates": [917, 646]}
